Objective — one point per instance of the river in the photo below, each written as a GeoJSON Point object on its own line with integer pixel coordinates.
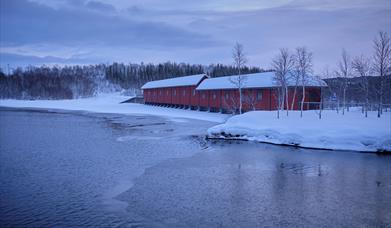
{"type": "Point", "coordinates": [79, 169]}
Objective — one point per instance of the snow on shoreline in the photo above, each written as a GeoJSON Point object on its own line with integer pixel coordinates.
{"type": "Point", "coordinates": [110, 103]}
{"type": "Point", "coordinates": [351, 131]}
{"type": "Point", "coordinates": [334, 131]}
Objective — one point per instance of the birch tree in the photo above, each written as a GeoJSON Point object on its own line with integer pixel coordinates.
{"type": "Point", "coordinates": [303, 67]}
{"type": "Point", "coordinates": [295, 77]}
{"type": "Point", "coordinates": [344, 71]}
{"type": "Point", "coordinates": [361, 66]}
{"type": "Point", "coordinates": [320, 84]}
{"type": "Point", "coordinates": [382, 63]}
{"type": "Point", "coordinates": [239, 61]}
{"type": "Point", "coordinates": [282, 64]}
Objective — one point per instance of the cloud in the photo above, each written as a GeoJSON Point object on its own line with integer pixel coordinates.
{"type": "Point", "coordinates": [199, 32]}
{"type": "Point", "coordinates": [95, 5]}
{"type": "Point", "coordinates": [25, 22]}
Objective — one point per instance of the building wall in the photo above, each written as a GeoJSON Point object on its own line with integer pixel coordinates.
{"type": "Point", "coordinates": [312, 94]}
{"type": "Point", "coordinates": [214, 99]}
{"type": "Point", "coordinates": [258, 99]}
{"type": "Point", "coordinates": [228, 99]}
{"type": "Point", "coordinates": [194, 96]}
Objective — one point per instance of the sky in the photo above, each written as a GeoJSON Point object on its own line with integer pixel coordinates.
{"type": "Point", "coordinates": [201, 32]}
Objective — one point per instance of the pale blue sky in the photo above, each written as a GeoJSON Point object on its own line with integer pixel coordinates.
{"type": "Point", "coordinates": [204, 31]}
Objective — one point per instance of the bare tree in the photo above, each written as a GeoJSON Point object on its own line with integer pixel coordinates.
{"type": "Point", "coordinates": [282, 64]}
{"type": "Point", "coordinates": [361, 66]}
{"type": "Point", "coordinates": [239, 61]}
{"type": "Point", "coordinates": [382, 63]}
{"type": "Point", "coordinates": [320, 84]}
{"type": "Point", "coordinates": [303, 67]}
{"type": "Point", "coordinates": [295, 77]}
{"type": "Point", "coordinates": [231, 103]}
{"type": "Point", "coordinates": [343, 71]}
{"type": "Point", "coordinates": [250, 101]}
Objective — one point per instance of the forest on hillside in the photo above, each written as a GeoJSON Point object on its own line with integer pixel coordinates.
{"type": "Point", "coordinates": [70, 82]}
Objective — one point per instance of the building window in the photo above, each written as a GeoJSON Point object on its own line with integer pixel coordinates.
{"type": "Point", "coordinates": [194, 92]}
{"type": "Point", "coordinates": [174, 92]}
{"type": "Point", "coordinates": [160, 92]}
{"type": "Point", "coordinates": [226, 95]}
{"type": "Point", "coordinates": [203, 95]}
{"type": "Point", "coordinates": [167, 92]}
{"type": "Point", "coordinates": [184, 92]}
{"type": "Point", "coordinates": [214, 96]}
{"type": "Point", "coordinates": [259, 95]}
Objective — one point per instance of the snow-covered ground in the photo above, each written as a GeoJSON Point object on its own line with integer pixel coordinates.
{"type": "Point", "coordinates": [110, 103]}
{"type": "Point", "coordinates": [351, 131]}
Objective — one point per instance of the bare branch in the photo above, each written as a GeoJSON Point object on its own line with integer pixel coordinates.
{"type": "Point", "coordinates": [382, 63]}
{"type": "Point", "coordinates": [239, 60]}
{"type": "Point", "coordinates": [303, 67]}
{"type": "Point", "coordinates": [282, 64]}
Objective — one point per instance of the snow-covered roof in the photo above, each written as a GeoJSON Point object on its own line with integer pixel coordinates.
{"type": "Point", "coordinates": [191, 80]}
{"type": "Point", "coordinates": [257, 80]}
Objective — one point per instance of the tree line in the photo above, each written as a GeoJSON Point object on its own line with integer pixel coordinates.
{"type": "Point", "coordinates": [53, 82]}
{"type": "Point", "coordinates": [135, 75]}
{"type": "Point", "coordinates": [69, 82]}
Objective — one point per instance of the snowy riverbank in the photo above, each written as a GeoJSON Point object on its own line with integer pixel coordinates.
{"type": "Point", "coordinates": [334, 131]}
{"type": "Point", "coordinates": [351, 131]}
{"type": "Point", "coordinates": [110, 103]}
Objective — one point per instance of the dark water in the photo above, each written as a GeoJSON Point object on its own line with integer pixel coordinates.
{"type": "Point", "coordinates": [99, 170]}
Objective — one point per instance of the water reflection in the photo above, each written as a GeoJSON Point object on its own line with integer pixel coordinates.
{"type": "Point", "coordinates": [252, 185]}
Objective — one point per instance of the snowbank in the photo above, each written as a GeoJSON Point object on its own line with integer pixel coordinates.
{"type": "Point", "coordinates": [110, 103]}
{"type": "Point", "coordinates": [351, 131]}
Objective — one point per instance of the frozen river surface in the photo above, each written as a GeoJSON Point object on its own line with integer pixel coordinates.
{"type": "Point", "coordinates": [105, 170]}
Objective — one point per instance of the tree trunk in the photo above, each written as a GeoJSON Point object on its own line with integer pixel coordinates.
{"type": "Point", "coordinates": [320, 104]}
{"type": "Point", "coordinates": [240, 100]}
{"type": "Point", "coordinates": [302, 102]}
{"type": "Point", "coordinates": [282, 99]}
{"type": "Point", "coordinates": [366, 108]}
{"type": "Point", "coordinates": [287, 100]}
{"type": "Point", "coordinates": [293, 98]}
{"type": "Point", "coordinates": [381, 95]}
{"type": "Point", "coordinates": [338, 105]}
{"type": "Point", "coordinates": [344, 100]}
{"type": "Point", "coordinates": [366, 101]}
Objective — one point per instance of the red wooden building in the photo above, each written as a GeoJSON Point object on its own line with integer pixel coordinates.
{"type": "Point", "coordinates": [259, 92]}
{"type": "Point", "coordinates": [178, 91]}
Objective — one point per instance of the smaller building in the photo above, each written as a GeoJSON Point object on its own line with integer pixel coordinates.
{"type": "Point", "coordinates": [178, 91]}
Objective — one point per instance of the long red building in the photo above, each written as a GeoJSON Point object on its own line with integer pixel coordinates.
{"type": "Point", "coordinates": [259, 92]}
